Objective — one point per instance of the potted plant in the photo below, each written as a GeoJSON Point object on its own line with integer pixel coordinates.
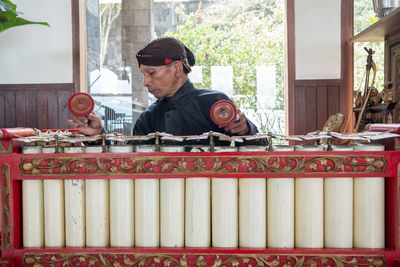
{"type": "Point", "coordinates": [9, 16]}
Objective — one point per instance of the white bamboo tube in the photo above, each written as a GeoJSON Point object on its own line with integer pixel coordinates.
{"type": "Point", "coordinates": [147, 208]}
{"type": "Point", "coordinates": [54, 230]}
{"type": "Point", "coordinates": [280, 208]}
{"type": "Point", "coordinates": [74, 190]}
{"type": "Point", "coordinates": [252, 208]}
{"type": "Point", "coordinates": [198, 209]}
{"type": "Point", "coordinates": [122, 207]}
{"type": "Point", "coordinates": [369, 207]}
{"type": "Point", "coordinates": [97, 208]}
{"type": "Point", "coordinates": [172, 210]}
{"type": "Point", "coordinates": [338, 209]}
{"type": "Point", "coordinates": [32, 207]}
{"type": "Point", "coordinates": [224, 209]}
{"type": "Point", "coordinates": [309, 208]}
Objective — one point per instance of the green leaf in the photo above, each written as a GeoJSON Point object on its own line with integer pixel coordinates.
{"type": "Point", "coordinates": [9, 16]}
{"type": "Point", "coordinates": [6, 16]}
{"type": "Point", "coordinates": [8, 5]}
{"type": "Point", "coordinates": [9, 22]}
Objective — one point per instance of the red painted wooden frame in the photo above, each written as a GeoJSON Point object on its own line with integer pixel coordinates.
{"type": "Point", "coordinates": [18, 167]}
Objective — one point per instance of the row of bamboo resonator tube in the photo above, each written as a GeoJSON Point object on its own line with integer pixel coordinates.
{"type": "Point", "coordinates": [204, 212]}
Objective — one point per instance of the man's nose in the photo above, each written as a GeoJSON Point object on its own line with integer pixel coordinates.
{"type": "Point", "coordinates": [146, 81]}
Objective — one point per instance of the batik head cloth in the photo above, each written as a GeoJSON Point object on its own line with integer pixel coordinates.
{"type": "Point", "coordinates": [164, 50]}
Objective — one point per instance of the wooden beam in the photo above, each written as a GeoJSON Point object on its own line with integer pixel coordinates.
{"type": "Point", "coordinates": [76, 75]}
{"type": "Point", "coordinates": [290, 69]}
{"type": "Point", "coordinates": [347, 64]}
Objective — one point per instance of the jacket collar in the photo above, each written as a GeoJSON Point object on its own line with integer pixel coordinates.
{"type": "Point", "coordinates": [180, 95]}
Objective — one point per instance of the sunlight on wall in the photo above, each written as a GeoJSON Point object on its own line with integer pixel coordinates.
{"type": "Point", "coordinates": [317, 39]}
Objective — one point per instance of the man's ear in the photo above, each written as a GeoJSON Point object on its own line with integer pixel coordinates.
{"type": "Point", "coordinates": [178, 66]}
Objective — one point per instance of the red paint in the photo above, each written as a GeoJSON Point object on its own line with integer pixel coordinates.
{"type": "Point", "coordinates": [14, 255]}
{"type": "Point", "coordinates": [9, 133]}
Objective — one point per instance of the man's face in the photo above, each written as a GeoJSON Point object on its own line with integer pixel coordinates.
{"type": "Point", "coordinates": [160, 80]}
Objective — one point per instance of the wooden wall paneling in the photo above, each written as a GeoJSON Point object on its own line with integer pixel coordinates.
{"type": "Point", "coordinates": [311, 108]}
{"type": "Point", "coordinates": [2, 111]}
{"type": "Point", "coordinates": [300, 108]}
{"type": "Point", "coordinates": [316, 100]}
{"type": "Point", "coordinates": [10, 108]}
{"type": "Point", "coordinates": [42, 109]}
{"type": "Point", "coordinates": [52, 109]}
{"type": "Point", "coordinates": [31, 106]}
{"type": "Point", "coordinates": [333, 100]}
{"type": "Point", "coordinates": [63, 111]}
{"type": "Point", "coordinates": [322, 104]}
{"type": "Point", "coordinates": [21, 109]}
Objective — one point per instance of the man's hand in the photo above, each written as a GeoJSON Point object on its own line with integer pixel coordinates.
{"type": "Point", "coordinates": [88, 125]}
{"type": "Point", "coordinates": [238, 127]}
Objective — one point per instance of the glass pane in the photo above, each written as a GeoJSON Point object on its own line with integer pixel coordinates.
{"type": "Point", "coordinates": [364, 16]}
{"type": "Point", "coordinates": [238, 47]}
{"type": "Point", "coordinates": [109, 79]}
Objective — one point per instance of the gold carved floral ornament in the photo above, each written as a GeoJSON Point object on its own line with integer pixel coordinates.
{"type": "Point", "coordinates": [3, 149]}
{"type": "Point", "coordinates": [184, 260]}
{"type": "Point", "coordinates": [6, 223]}
{"type": "Point", "coordinates": [249, 164]}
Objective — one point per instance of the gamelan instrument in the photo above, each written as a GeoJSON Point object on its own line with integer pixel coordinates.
{"type": "Point", "coordinates": [74, 200]}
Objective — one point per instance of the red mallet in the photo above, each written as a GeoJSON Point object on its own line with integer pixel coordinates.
{"type": "Point", "coordinates": [81, 104]}
{"type": "Point", "coordinates": [223, 112]}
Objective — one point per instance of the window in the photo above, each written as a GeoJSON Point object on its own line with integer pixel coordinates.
{"type": "Point", "coordinates": [238, 47]}
{"type": "Point", "coordinates": [364, 16]}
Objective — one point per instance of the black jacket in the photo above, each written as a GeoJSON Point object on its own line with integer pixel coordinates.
{"type": "Point", "coordinates": [187, 112]}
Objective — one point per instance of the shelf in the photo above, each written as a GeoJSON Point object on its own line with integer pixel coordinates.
{"type": "Point", "coordinates": [379, 30]}
{"type": "Point", "coordinates": [379, 107]}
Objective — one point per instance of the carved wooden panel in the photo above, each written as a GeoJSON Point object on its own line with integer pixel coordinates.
{"type": "Point", "coordinates": [395, 70]}
{"type": "Point", "coordinates": [392, 71]}
{"type": "Point", "coordinates": [395, 77]}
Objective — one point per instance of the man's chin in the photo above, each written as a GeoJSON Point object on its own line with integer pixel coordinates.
{"type": "Point", "coordinates": [157, 94]}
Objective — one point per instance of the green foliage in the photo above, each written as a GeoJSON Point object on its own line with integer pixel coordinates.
{"type": "Point", "coordinates": [241, 34]}
{"type": "Point", "coordinates": [9, 16]}
{"type": "Point", "coordinates": [364, 16]}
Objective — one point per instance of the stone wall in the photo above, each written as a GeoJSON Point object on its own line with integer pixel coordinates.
{"type": "Point", "coordinates": [136, 31]}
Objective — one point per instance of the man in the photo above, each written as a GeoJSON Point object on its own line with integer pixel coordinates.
{"type": "Point", "coordinates": [180, 109]}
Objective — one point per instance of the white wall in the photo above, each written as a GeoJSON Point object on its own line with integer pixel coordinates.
{"type": "Point", "coordinates": [317, 39]}
{"type": "Point", "coordinates": [36, 53]}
